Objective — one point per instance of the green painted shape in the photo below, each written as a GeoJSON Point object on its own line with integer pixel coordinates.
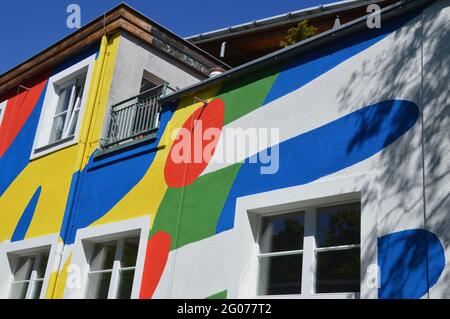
{"type": "Point", "coordinates": [202, 204]}
{"type": "Point", "coordinates": [203, 201]}
{"type": "Point", "coordinates": [220, 295]}
{"type": "Point", "coordinates": [246, 95]}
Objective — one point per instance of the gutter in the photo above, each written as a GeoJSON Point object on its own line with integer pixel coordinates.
{"type": "Point", "coordinates": [294, 50]}
{"type": "Point", "coordinates": [280, 20]}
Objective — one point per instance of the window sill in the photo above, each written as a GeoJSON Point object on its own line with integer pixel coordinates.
{"type": "Point", "coordinates": [125, 146]}
{"type": "Point", "coordinates": [53, 147]}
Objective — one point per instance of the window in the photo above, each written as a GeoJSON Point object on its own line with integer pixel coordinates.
{"type": "Point", "coordinates": [62, 110]}
{"type": "Point", "coordinates": [318, 242]}
{"type": "Point", "coordinates": [112, 268]}
{"type": "Point", "coordinates": [29, 276]}
{"type": "Point", "coordinates": [136, 118]}
{"type": "Point", "coordinates": [150, 81]}
{"type": "Point", "coordinates": [281, 250]}
{"type": "Point", "coordinates": [68, 108]}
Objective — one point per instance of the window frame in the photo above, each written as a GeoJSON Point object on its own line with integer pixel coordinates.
{"type": "Point", "coordinates": [10, 252]}
{"type": "Point", "coordinates": [72, 108]}
{"type": "Point", "coordinates": [116, 266]}
{"type": "Point", "coordinates": [152, 78]}
{"type": "Point", "coordinates": [249, 209]}
{"type": "Point", "coordinates": [2, 110]}
{"type": "Point", "coordinates": [309, 251]}
{"type": "Point", "coordinates": [85, 240]}
{"type": "Point", "coordinates": [33, 274]}
{"type": "Point", "coordinates": [42, 145]}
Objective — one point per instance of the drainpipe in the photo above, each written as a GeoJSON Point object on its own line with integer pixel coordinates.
{"type": "Point", "coordinates": [337, 23]}
{"type": "Point", "coordinates": [222, 49]}
{"type": "Point", "coordinates": [83, 154]}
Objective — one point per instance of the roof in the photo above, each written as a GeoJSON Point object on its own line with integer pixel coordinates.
{"type": "Point", "coordinates": [277, 57]}
{"type": "Point", "coordinates": [288, 17]}
{"type": "Point", "coordinates": [120, 18]}
{"type": "Point", "coordinates": [237, 45]}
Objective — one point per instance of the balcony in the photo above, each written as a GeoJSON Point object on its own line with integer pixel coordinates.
{"type": "Point", "coordinates": [135, 118]}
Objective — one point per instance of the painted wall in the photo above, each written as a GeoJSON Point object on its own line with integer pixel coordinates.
{"type": "Point", "coordinates": [366, 115]}
{"type": "Point", "coordinates": [36, 196]}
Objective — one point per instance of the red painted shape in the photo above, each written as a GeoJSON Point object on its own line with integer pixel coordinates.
{"type": "Point", "coordinates": [202, 127]}
{"type": "Point", "coordinates": [158, 249]}
{"type": "Point", "coordinates": [18, 109]}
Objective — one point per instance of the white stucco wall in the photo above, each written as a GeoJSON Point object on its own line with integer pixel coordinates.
{"type": "Point", "coordinates": [412, 174]}
{"type": "Point", "coordinates": [436, 130]}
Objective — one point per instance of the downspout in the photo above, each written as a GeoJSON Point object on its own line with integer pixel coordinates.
{"type": "Point", "coordinates": [83, 154]}
{"type": "Point", "coordinates": [422, 142]}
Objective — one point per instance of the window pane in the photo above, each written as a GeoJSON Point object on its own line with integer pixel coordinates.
{"type": "Point", "coordinates": [37, 289]}
{"type": "Point", "coordinates": [57, 128]}
{"type": "Point", "coordinates": [23, 269]}
{"type": "Point", "coordinates": [40, 273]}
{"type": "Point", "coordinates": [338, 271]}
{"type": "Point", "coordinates": [79, 89]}
{"type": "Point", "coordinates": [98, 286]}
{"type": "Point", "coordinates": [103, 256]}
{"type": "Point", "coordinates": [130, 250]}
{"type": "Point", "coordinates": [125, 284]}
{"type": "Point", "coordinates": [73, 124]}
{"type": "Point", "coordinates": [282, 232]}
{"type": "Point", "coordinates": [280, 275]}
{"type": "Point", "coordinates": [64, 99]}
{"type": "Point", "coordinates": [146, 85]}
{"type": "Point", "coordinates": [18, 290]}
{"type": "Point", "coordinates": [338, 225]}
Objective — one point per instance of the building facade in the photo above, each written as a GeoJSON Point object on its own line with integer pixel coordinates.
{"type": "Point", "coordinates": [317, 171]}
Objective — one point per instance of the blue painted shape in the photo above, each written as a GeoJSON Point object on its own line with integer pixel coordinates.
{"type": "Point", "coordinates": [312, 64]}
{"type": "Point", "coordinates": [65, 230]}
{"type": "Point", "coordinates": [105, 181]}
{"type": "Point", "coordinates": [323, 151]}
{"type": "Point", "coordinates": [27, 216]}
{"type": "Point", "coordinates": [406, 259]}
{"type": "Point", "coordinates": [17, 156]}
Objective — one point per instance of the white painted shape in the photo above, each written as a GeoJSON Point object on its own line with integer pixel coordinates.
{"type": "Point", "coordinates": [317, 103]}
{"type": "Point", "coordinates": [201, 269]}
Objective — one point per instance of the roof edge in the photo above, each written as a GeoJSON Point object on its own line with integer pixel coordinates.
{"type": "Point", "coordinates": [282, 54]}
{"type": "Point", "coordinates": [121, 17]}
{"type": "Point", "coordinates": [285, 18]}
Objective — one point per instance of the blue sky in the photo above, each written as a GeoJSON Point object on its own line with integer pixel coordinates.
{"type": "Point", "coordinates": [29, 27]}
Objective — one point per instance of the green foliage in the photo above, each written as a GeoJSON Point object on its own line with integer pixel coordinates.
{"type": "Point", "coordinates": [299, 33]}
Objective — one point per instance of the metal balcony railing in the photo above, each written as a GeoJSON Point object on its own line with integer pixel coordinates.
{"type": "Point", "coordinates": [134, 118]}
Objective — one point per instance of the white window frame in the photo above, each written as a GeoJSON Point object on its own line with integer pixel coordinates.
{"type": "Point", "coordinates": [41, 145]}
{"type": "Point", "coordinates": [2, 110]}
{"type": "Point", "coordinates": [10, 253]}
{"type": "Point", "coordinates": [33, 275]}
{"type": "Point", "coordinates": [116, 267]}
{"type": "Point", "coordinates": [250, 209]}
{"type": "Point", "coordinates": [87, 237]}
{"type": "Point", "coordinates": [309, 250]}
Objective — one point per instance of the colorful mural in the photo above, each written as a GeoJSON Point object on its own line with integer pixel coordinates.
{"type": "Point", "coordinates": [193, 205]}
